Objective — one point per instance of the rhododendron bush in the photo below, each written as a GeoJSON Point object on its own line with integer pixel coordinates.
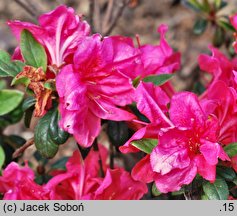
{"type": "Point", "coordinates": [77, 85]}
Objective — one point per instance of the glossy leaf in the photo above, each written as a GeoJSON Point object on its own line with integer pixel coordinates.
{"type": "Point", "coordinates": [217, 190]}
{"type": "Point", "coordinates": [9, 100]}
{"type": "Point", "coordinates": [28, 103]}
{"type": "Point", "coordinates": [158, 79]}
{"type": "Point", "coordinates": [231, 149]}
{"type": "Point", "coordinates": [8, 67]}
{"type": "Point", "coordinates": [227, 173]}
{"type": "Point", "coordinates": [43, 142]}
{"type": "Point", "coordinates": [57, 134]}
{"type": "Point", "coordinates": [145, 145]}
{"type": "Point", "coordinates": [33, 52]}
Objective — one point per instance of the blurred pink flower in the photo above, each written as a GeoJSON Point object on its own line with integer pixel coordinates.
{"type": "Point", "coordinates": [83, 180]}
{"type": "Point", "coordinates": [94, 87]}
{"type": "Point", "coordinates": [59, 31]}
{"type": "Point", "coordinates": [17, 183]}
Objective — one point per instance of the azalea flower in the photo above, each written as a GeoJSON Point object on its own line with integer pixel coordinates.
{"type": "Point", "coordinates": [159, 59]}
{"type": "Point", "coordinates": [219, 66]}
{"type": "Point", "coordinates": [188, 141]}
{"type": "Point", "coordinates": [82, 180]}
{"type": "Point", "coordinates": [17, 183]}
{"type": "Point", "coordinates": [59, 31]}
{"type": "Point", "coordinates": [94, 87]}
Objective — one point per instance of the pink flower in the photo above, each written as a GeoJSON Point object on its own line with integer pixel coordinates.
{"type": "Point", "coordinates": [160, 59]}
{"type": "Point", "coordinates": [81, 180]}
{"type": "Point", "coordinates": [219, 66]}
{"type": "Point", "coordinates": [153, 103]}
{"type": "Point", "coordinates": [94, 87]}
{"type": "Point", "coordinates": [118, 185]}
{"type": "Point", "coordinates": [189, 148]}
{"type": "Point", "coordinates": [188, 136]}
{"type": "Point", "coordinates": [223, 105]}
{"type": "Point", "coordinates": [17, 183]}
{"type": "Point", "coordinates": [59, 31]}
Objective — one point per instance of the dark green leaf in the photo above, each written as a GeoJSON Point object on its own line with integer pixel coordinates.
{"type": "Point", "coordinates": [219, 37]}
{"type": "Point", "coordinates": [200, 26]}
{"type": "Point", "coordinates": [227, 173]}
{"type": "Point", "coordinates": [145, 145]}
{"type": "Point", "coordinates": [28, 103]}
{"type": "Point", "coordinates": [155, 191]}
{"type": "Point", "coordinates": [43, 142]}
{"type": "Point", "coordinates": [231, 149]}
{"type": "Point", "coordinates": [60, 164]}
{"type": "Point", "coordinates": [57, 134]}
{"type": "Point", "coordinates": [8, 67]}
{"type": "Point", "coordinates": [217, 190]}
{"type": "Point", "coordinates": [177, 193]}
{"type": "Point", "coordinates": [9, 100]}
{"type": "Point", "coordinates": [158, 79]}
{"type": "Point", "coordinates": [226, 25]}
{"type": "Point", "coordinates": [33, 52]}
{"type": "Point", "coordinates": [118, 132]}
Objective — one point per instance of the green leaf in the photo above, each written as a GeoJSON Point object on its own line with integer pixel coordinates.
{"type": "Point", "coordinates": [8, 67]}
{"type": "Point", "coordinates": [204, 197]}
{"type": "Point", "coordinates": [9, 100]}
{"type": "Point", "coordinates": [194, 4]}
{"type": "Point", "coordinates": [57, 134]}
{"type": "Point", "coordinates": [219, 37]}
{"type": "Point", "coordinates": [118, 132]}
{"type": "Point", "coordinates": [60, 164]}
{"type": "Point", "coordinates": [136, 81]}
{"type": "Point", "coordinates": [158, 80]}
{"type": "Point", "coordinates": [217, 190]}
{"type": "Point", "coordinates": [155, 191]}
{"type": "Point", "coordinates": [23, 80]}
{"type": "Point", "coordinates": [32, 51]}
{"type": "Point", "coordinates": [2, 157]}
{"type": "Point", "coordinates": [225, 172]}
{"type": "Point", "coordinates": [28, 103]}
{"type": "Point", "coordinates": [43, 142]}
{"type": "Point", "coordinates": [145, 145]}
{"type": "Point", "coordinates": [200, 26]}
{"type": "Point", "coordinates": [3, 84]}
{"type": "Point", "coordinates": [231, 149]}
{"type": "Point", "coordinates": [219, 4]}
{"type": "Point", "coordinates": [226, 25]}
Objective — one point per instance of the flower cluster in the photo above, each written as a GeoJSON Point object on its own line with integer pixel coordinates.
{"type": "Point", "coordinates": [96, 79]}
{"type": "Point", "coordinates": [80, 181]}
